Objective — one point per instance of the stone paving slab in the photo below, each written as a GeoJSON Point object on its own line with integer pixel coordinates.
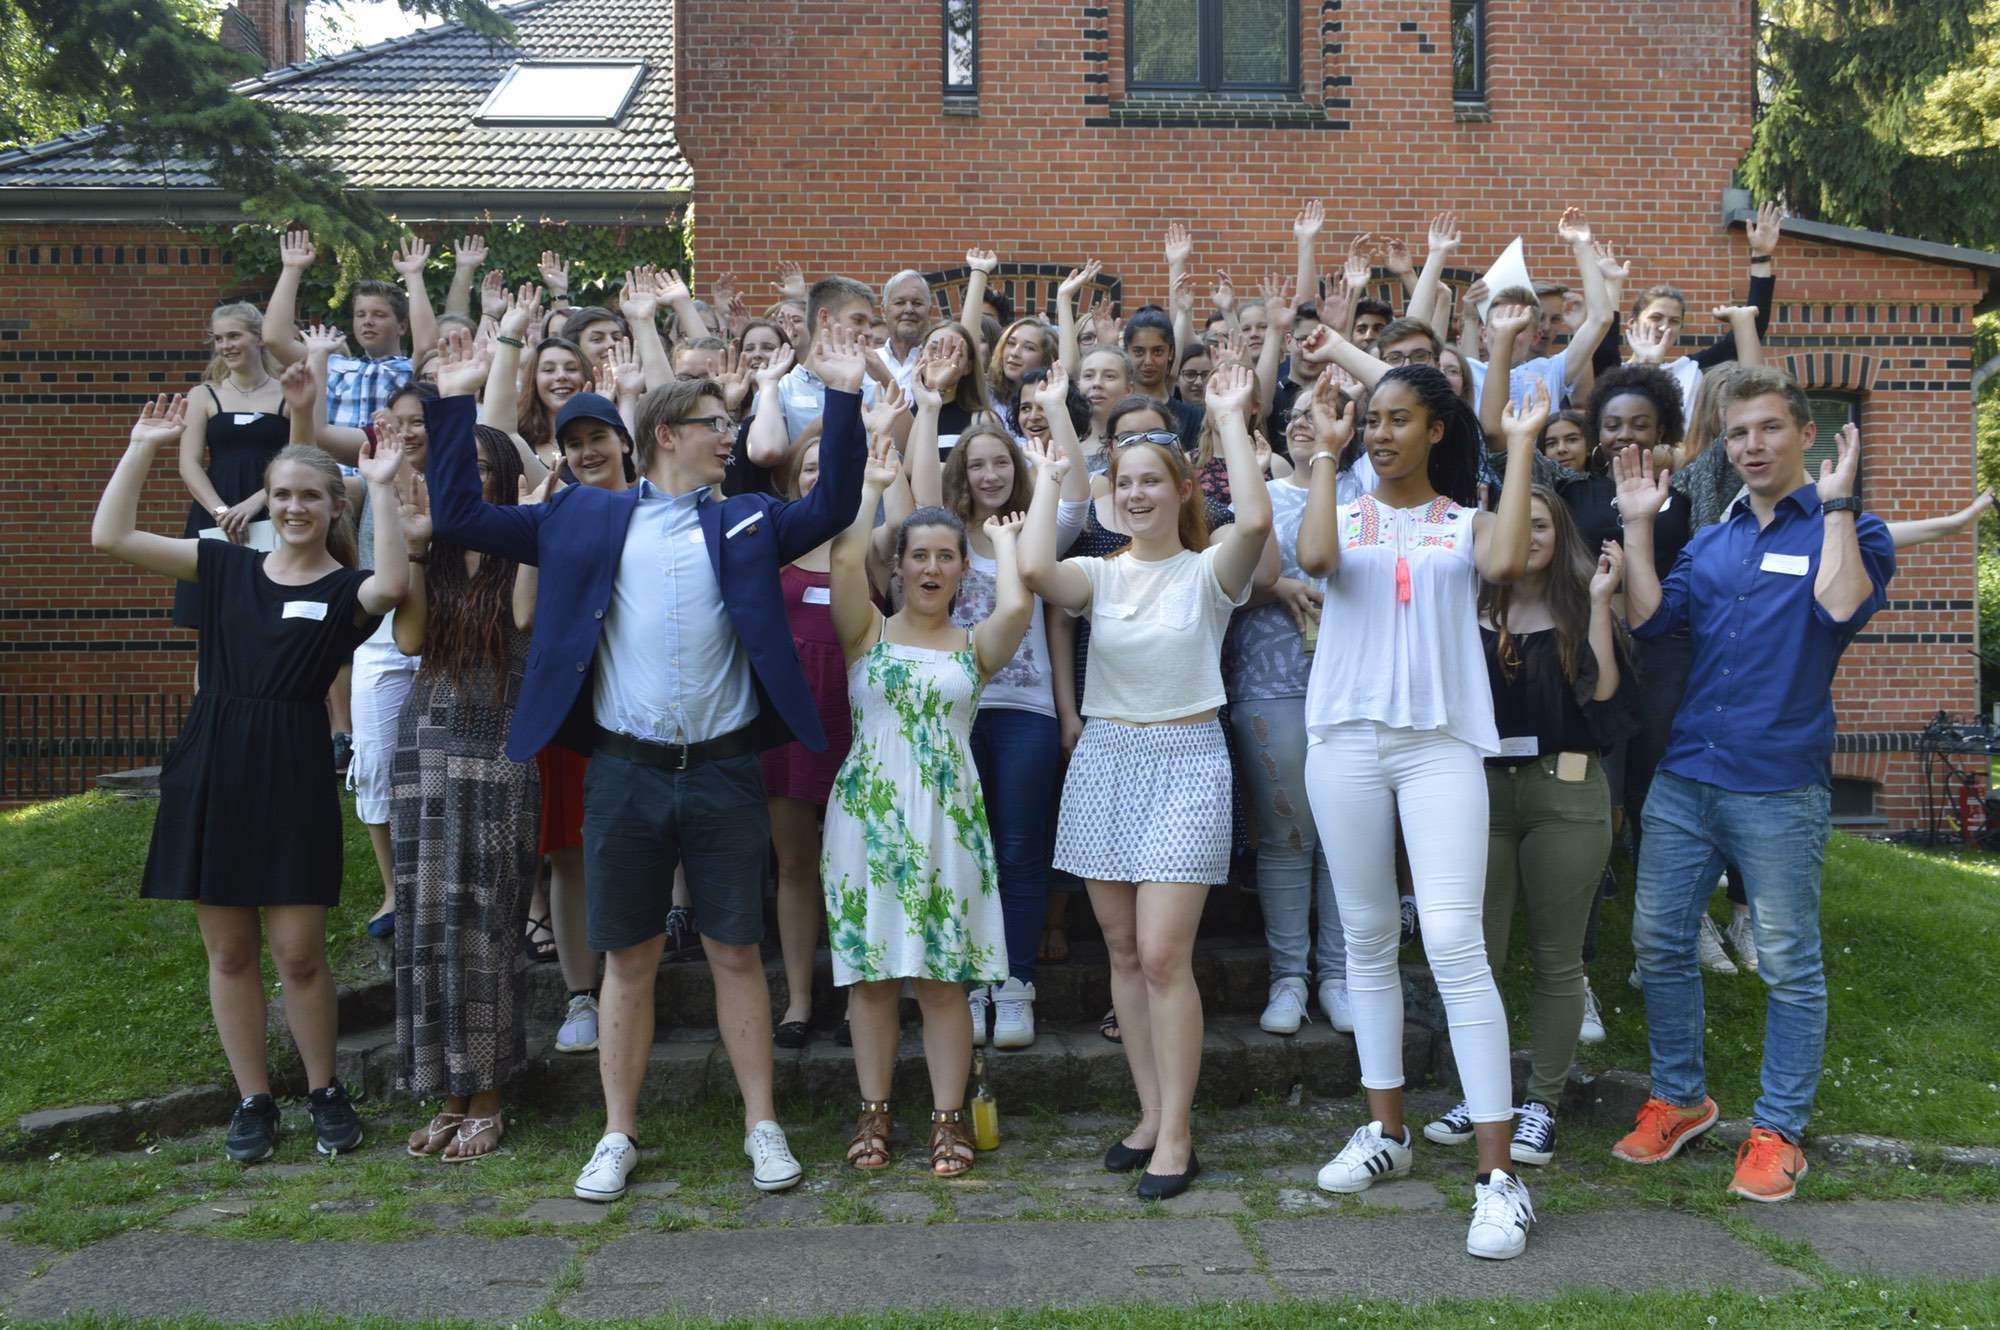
{"type": "Point", "coordinates": [186, 1274]}
{"type": "Point", "coordinates": [17, 1262]}
{"type": "Point", "coordinates": [1898, 1239]}
{"type": "Point", "coordinates": [896, 1267]}
{"type": "Point", "coordinates": [1423, 1256]}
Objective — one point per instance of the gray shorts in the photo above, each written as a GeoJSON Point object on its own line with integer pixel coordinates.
{"type": "Point", "coordinates": [641, 822]}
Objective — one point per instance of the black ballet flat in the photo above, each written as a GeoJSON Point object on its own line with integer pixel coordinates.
{"type": "Point", "coordinates": [1165, 1186]}
{"type": "Point", "coordinates": [1122, 1158]}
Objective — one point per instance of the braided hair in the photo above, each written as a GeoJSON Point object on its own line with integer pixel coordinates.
{"type": "Point", "coordinates": [472, 615]}
{"type": "Point", "coordinates": [1453, 468]}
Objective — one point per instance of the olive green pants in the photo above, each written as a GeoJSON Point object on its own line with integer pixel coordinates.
{"type": "Point", "coordinates": [1549, 840]}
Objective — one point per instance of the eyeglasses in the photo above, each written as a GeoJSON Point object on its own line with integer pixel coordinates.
{"type": "Point", "coordinates": [720, 424]}
{"type": "Point", "coordinates": [1193, 375]}
{"type": "Point", "coordinates": [1161, 436]}
{"type": "Point", "coordinates": [1418, 357]}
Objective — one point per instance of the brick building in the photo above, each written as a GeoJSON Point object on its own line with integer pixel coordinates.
{"type": "Point", "coordinates": [867, 138]}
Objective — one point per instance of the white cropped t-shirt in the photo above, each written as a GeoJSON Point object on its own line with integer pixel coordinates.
{"type": "Point", "coordinates": [1156, 631]}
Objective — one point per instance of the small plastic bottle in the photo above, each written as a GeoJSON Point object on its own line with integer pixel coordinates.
{"type": "Point", "coordinates": [985, 1109]}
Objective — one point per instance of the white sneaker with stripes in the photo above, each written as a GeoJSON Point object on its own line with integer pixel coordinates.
{"type": "Point", "coordinates": [1502, 1214]}
{"type": "Point", "coordinates": [1368, 1157]}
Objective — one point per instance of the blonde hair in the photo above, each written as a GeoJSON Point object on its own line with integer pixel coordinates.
{"type": "Point", "coordinates": [252, 319]}
{"type": "Point", "coordinates": [340, 541]}
{"type": "Point", "coordinates": [1192, 526]}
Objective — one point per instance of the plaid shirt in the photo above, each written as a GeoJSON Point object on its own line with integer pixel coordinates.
{"type": "Point", "coordinates": [357, 387]}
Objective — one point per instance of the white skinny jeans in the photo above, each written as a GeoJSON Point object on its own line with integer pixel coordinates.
{"type": "Point", "coordinates": [1360, 776]}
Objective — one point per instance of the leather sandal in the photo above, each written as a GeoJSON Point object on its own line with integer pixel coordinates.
{"type": "Point", "coordinates": [433, 1139]}
{"type": "Point", "coordinates": [471, 1130]}
{"type": "Point", "coordinates": [868, 1149]}
{"type": "Point", "coordinates": [951, 1144]}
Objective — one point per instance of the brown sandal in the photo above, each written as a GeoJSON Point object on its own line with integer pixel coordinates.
{"type": "Point", "coordinates": [951, 1146]}
{"type": "Point", "coordinates": [868, 1150]}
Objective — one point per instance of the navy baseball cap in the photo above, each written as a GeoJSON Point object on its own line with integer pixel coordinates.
{"type": "Point", "coordinates": [590, 406]}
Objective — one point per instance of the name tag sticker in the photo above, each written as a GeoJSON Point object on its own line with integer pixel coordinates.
{"type": "Point", "coordinates": [694, 537]}
{"type": "Point", "coordinates": [1572, 767]}
{"type": "Point", "coordinates": [248, 417]}
{"type": "Point", "coordinates": [305, 609]}
{"type": "Point", "coordinates": [1521, 745]}
{"type": "Point", "coordinates": [817, 595]}
{"type": "Point", "coordinates": [1792, 565]}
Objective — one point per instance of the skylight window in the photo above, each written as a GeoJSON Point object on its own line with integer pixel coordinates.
{"type": "Point", "coordinates": [562, 92]}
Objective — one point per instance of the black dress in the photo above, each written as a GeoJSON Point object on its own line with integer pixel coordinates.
{"type": "Point", "coordinates": [240, 445]}
{"type": "Point", "coordinates": [249, 806]}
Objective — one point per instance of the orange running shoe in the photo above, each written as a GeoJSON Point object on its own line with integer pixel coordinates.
{"type": "Point", "coordinates": [1662, 1130]}
{"type": "Point", "coordinates": [1768, 1167]}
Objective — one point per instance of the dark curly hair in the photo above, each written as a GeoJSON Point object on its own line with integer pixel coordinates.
{"type": "Point", "coordinates": [1647, 381]}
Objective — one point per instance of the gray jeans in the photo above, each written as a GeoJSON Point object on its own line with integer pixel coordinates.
{"type": "Point", "coordinates": [1291, 863]}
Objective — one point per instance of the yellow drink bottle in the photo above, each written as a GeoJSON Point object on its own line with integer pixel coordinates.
{"type": "Point", "coordinates": [985, 1110]}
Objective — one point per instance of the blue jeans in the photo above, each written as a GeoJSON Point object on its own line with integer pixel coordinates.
{"type": "Point", "coordinates": [1779, 842]}
{"type": "Point", "coordinates": [1018, 754]}
{"type": "Point", "coordinates": [1292, 873]}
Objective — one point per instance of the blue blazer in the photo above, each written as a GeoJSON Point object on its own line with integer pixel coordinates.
{"type": "Point", "coordinates": [577, 538]}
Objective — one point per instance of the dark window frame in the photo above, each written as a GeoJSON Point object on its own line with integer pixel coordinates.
{"type": "Point", "coordinates": [1476, 94]}
{"type": "Point", "coordinates": [1208, 79]}
{"type": "Point", "coordinates": [1825, 446]}
{"type": "Point", "coordinates": [945, 8]}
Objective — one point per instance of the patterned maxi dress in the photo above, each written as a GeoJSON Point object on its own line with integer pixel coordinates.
{"type": "Point", "coordinates": [464, 822]}
{"type": "Point", "coordinates": [912, 890]}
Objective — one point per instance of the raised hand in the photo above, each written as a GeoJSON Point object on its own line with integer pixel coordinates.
{"type": "Point", "coordinates": [839, 358]}
{"type": "Point", "coordinates": [1648, 342]}
{"type": "Point", "coordinates": [1310, 219]}
{"type": "Point", "coordinates": [1765, 230]}
{"type": "Point", "coordinates": [413, 497]}
{"type": "Point", "coordinates": [555, 274]}
{"type": "Point", "coordinates": [1444, 234]}
{"type": "Point", "coordinates": [1178, 244]}
{"type": "Point", "coordinates": [777, 367]}
{"type": "Point", "coordinates": [734, 380]}
{"type": "Point", "coordinates": [1397, 257]}
{"type": "Point", "coordinates": [1515, 319]}
{"type": "Point", "coordinates": [470, 251]}
{"type": "Point", "coordinates": [1610, 571]}
{"type": "Point", "coordinates": [519, 309]}
{"type": "Point", "coordinates": [1279, 303]}
{"type": "Point", "coordinates": [1052, 393]}
{"type": "Point", "coordinates": [1641, 490]}
{"type": "Point", "coordinates": [981, 260]}
{"type": "Point", "coordinates": [880, 415]}
{"type": "Point", "coordinates": [1224, 294]}
{"type": "Point", "coordinates": [639, 299]}
{"type": "Point", "coordinates": [1318, 347]}
{"type": "Point", "coordinates": [1573, 228]}
{"type": "Point", "coordinates": [1004, 526]}
{"type": "Point", "coordinates": [791, 281]}
{"type": "Point", "coordinates": [493, 294]}
{"type": "Point", "coordinates": [295, 249]}
{"type": "Point", "coordinates": [604, 380]}
{"type": "Point", "coordinates": [883, 465]}
{"type": "Point", "coordinates": [382, 456]}
{"type": "Point", "coordinates": [1104, 325]}
{"type": "Point", "coordinates": [542, 493]}
{"type": "Point", "coordinates": [1332, 417]}
{"type": "Point", "coordinates": [411, 256]}
{"type": "Point", "coordinates": [300, 388]}
{"type": "Point", "coordinates": [1836, 475]}
{"type": "Point", "coordinates": [626, 375]}
{"type": "Point", "coordinates": [1260, 448]}
{"type": "Point", "coordinates": [1079, 278]}
{"type": "Point", "coordinates": [941, 365]}
{"type": "Point", "coordinates": [160, 421]}
{"type": "Point", "coordinates": [1476, 294]}
{"type": "Point", "coordinates": [1968, 517]}
{"type": "Point", "coordinates": [1226, 349]}
{"type": "Point", "coordinates": [1360, 261]}
{"type": "Point", "coordinates": [669, 287]}
{"type": "Point", "coordinates": [324, 339]}
{"type": "Point", "coordinates": [462, 365]}
{"type": "Point", "coordinates": [1610, 269]}
{"type": "Point", "coordinates": [1183, 293]}
{"type": "Point", "coordinates": [1523, 423]}
{"type": "Point", "coordinates": [1229, 390]}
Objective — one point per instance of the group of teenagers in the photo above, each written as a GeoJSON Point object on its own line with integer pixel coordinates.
{"type": "Point", "coordinates": [937, 613]}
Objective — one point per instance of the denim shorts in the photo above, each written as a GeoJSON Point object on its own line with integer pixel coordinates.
{"type": "Point", "coordinates": [641, 822]}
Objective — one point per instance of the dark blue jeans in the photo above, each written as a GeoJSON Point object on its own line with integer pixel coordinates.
{"type": "Point", "coordinates": [1018, 754]}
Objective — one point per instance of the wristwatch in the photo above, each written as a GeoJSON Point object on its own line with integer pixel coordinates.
{"type": "Point", "coordinates": [1850, 504]}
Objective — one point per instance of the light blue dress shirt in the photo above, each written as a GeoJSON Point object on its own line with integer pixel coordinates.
{"type": "Point", "coordinates": [670, 667]}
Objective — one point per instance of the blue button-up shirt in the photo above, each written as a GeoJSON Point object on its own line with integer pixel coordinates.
{"type": "Point", "coordinates": [1757, 716]}
{"type": "Point", "coordinates": [358, 386]}
{"type": "Point", "coordinates": [670, 667]}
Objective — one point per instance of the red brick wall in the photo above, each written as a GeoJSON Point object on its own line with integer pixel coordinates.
{"type": "Point", "coordinates": [817, 132]}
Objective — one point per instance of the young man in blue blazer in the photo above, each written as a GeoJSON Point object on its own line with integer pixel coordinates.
{"type": "Point", "coordinates": [661, 648]}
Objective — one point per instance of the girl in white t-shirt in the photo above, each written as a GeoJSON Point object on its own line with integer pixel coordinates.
{"type": "Point", "coordinates": [1399, 720]}
{"type": "Point", "coordinates": [1145, 807]}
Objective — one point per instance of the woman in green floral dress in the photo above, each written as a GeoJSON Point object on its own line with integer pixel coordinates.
{"type": "Point", "coordinates": [911, 887]}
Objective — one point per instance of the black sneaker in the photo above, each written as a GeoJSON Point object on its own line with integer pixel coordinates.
{"type": "Point", "coordinates": [335, 1123]}
{"type": "Point", "coordinates": [1454, 1128]}
{"type": "Point", "coordinates": [343, 752]}
{"type": "Point", "coordinates": [1534, 1135]}
{"type": "Point", "coordinates": [253, 1130]}
{"type": "Point", "coordinates": [1409, 904]}
{"type": "Point", "coordinates": [682, 939]}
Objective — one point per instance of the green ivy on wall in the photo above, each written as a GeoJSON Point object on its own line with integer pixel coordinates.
{"type": "Point", "coordinates": [598, 258]}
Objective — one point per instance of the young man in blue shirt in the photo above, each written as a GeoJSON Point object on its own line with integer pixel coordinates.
{"type": "Point", "coordinates": [1771, 595]}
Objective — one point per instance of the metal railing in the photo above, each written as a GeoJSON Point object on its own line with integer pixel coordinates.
{"type": "Point", "coordinates": [57, 744]}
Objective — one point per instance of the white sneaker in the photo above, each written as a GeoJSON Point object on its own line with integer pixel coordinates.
{"type": "Point", "coordinates": [1743, 940]}
{"type": "Point", "coordinates": [1592, 1030]}
{"type": "Point", "coordinates": [1708, 948]}
{"type": "Point", "coordinates": [1368, 1157]}
{"type": "Point", "coordinates": [603, 1178]}
{"type": "Point", "coordinates": [772, 1167]}
{"type": "Point", "coordinates": [579, 1027]}
{"type": "Point", "coordinates": [1013, 1014]}
{"type": "Point", "coordinates": [980, 999]}
{"type": "Point", "coordinates": [1334, 1002]}
{"type": "Point", "coordinates": [1286, 1009]}
{"type": "Point", "coordinates": [1502, 1214]}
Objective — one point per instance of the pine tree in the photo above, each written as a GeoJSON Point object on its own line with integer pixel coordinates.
{"type": "Point", "coordinates": [153, 75]}
{"type": "Point", "coordinates": [1879, 114]}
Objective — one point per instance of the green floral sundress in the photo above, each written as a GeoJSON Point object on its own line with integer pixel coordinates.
{"type": "Point", "coordinates": [912, 890]}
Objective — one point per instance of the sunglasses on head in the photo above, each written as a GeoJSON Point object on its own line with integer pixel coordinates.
{"type": "Point", "coordinates": [1162, 436]}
